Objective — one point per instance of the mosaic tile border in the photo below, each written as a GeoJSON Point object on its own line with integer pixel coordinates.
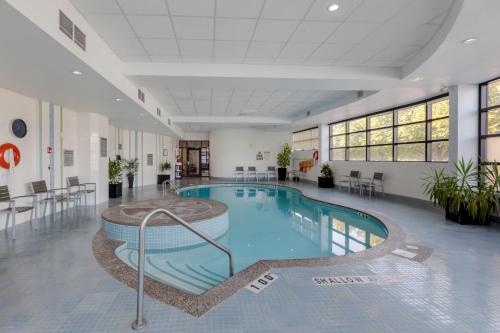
{"type": "Point", "coordinates": [104, 251]}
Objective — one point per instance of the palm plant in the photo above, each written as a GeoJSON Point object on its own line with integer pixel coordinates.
{"type": "Point", "coordinates": [114, 171]}
{"type": "Point", "coordinates": [131, 166]}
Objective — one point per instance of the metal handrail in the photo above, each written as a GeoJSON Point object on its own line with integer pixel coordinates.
{"type": "Point", "coordinates": [140, 322]}
{"type": "Point", "coordinates": [173, 187]}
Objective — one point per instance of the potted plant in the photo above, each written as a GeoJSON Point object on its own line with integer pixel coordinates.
{"type": "Point", "coordinates": [469, 195]}
{"type": "Point", "coordinates": [326, 178]}
{"type": "Point", "coordinates": [115, 177]}
{"type": "Point", "coordinates": [283, 160]}
{"type": "Point", "coordinates": [131, 167]}
{"type": "Point", "coordinates": [164, 172]}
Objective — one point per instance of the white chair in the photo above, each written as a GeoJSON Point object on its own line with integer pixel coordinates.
{"type": "Point", "coordinates": [15, 208]}
{"type": "Point", "coordinates": [251, 172]}
{"type": "Point", "coordinates": [239, 171]}
{"type": "Point", "coordinates": [271, 173]}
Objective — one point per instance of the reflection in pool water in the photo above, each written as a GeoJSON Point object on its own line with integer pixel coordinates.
{"type": "Point", "coordinates": [266, 222]}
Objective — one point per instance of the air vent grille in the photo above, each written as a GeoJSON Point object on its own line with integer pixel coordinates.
{"type": "Point", "coordinates": [169, 121]}
{"type": "Point", "coordinates": [158, 112]}
{"type": "Point", "coordinates": [80, 38]}
{"type": "Point", "coordinates": [360, 93]}
{"type": "Point", "coordinates": [65, 25]}
{"type": "Point", "coordinates": [140, 95]}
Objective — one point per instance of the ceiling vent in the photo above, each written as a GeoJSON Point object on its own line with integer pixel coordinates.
{"type": "Point", "coordinates": [158, 112]}
{"type": "Point", "coordinates": [308, 113]}
{"type": "Point", "coordinates": [140, 95]}
{"type": "Point", "coordinates": [72, 31]}
{"type": "Point", "coordinates": [65, 25]}
{"type": "Point", "coordinates": [169, 123]}
{"type": "Point", "coordinates": [80, 38]}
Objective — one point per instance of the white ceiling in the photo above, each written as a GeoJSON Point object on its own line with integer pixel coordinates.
{"type": "Point", "coordinates": [239, 102]}
{"type": "Point", "coordinates": [286, 32]}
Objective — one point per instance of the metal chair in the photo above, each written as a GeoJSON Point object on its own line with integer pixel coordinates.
{"type": "Point", "coordinates": [251, 172]}
{"type": "Point", "coordinates": [14, 209]}
{"type": "Point", "coordinates": [45, 196]}
{"type": "Point", "coordinates": [371, 184]}
{"type": "Point", "coordinates": [81, 189]}
{"type": "Point", "coordinates": [239, 171]}
{"type": "Point", "coordinates": [271, 172]}
{"type": "Point", "coordinates": [351, 181]}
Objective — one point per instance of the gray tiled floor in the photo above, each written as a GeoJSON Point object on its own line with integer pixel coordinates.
{"type": "Point", "coordinates": [50, 282]}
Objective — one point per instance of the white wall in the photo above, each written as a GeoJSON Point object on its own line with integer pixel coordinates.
{"type": "Point", "coordinates": [239, 146]}
{"type": "Point", "coordinates": [401, 178]}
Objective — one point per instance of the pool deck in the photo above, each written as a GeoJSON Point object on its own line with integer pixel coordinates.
{"type": "Point", "coordinates": [51, 282]}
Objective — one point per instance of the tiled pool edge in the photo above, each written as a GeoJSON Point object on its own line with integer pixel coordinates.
{"type": "Point", "coordinates": [104, 251]}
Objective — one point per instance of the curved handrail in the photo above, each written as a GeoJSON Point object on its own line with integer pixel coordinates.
{"type": "Point", "coordinates": [140, 322]}
{"type": "Point", "coordinates": [173, 187]}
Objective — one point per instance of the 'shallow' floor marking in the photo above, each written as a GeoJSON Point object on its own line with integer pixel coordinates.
{"type": "Point", "coordinates": [343, 280]}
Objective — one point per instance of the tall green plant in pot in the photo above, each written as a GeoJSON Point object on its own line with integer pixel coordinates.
{"type": "Point", "coordinates": [131, 167]}
{"type": "Point", "coordinates": [469, 195]}
{"type": "Point", "coordinates": [283, 160]}
{"type": "Point", "coordinates": [115, 178]}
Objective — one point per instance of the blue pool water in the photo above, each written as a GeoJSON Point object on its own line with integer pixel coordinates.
{"type": "Point", "coordinates": [265, 222]}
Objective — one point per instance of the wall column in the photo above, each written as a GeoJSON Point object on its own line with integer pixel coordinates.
{"type": "Point", "coordinates": [324, 143]}
{"type": "Point", "coordinates": [463, 139]}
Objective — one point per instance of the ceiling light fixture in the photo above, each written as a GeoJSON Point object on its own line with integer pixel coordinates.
{"type": "Point", "coordinates": [118, 99]}
{"type": "Point", "coordinates": [75, 72]}
{"type": "Point", "coordinates": [469, 40]}
{"type": "Point", "coordinates": [417, 79]}
{"type": "Point", "coordinates": [333, 7]}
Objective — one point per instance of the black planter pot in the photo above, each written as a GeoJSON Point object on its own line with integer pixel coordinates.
{"type": "Point", "coordinates": [325, 182]}
{"type": "Point", "coordinates": [464, 218]}
{"type": "Point", "coordinates": [161, 178]}
{"type": "Point", "coordinates": [130, 181]}
{"type": "Point", "coordinates": [115, 190]}
{"type": "Point", "coordinates": [281, 173]}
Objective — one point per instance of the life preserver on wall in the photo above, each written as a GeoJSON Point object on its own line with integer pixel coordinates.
{"type": "Point", "coordinates": [315, 155]}
{"type": "Point", "coordinates": [4, 149]}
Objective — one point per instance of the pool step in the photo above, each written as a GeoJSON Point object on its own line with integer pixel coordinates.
{"type": "Point", "coordinates": [191, 277]}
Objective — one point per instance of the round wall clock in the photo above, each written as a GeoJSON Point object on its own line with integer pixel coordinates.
{"type": "Point", "coordinates": [19, 128]}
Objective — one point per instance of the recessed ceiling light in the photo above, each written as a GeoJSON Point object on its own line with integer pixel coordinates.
{"type": "Point", "coordinates": [333, 7]}
{"type": "Point", "coordinates": [118, 99]}
{"type": "Point", "coordinates": [469, 40]}
{"type": "Point", "coordinates": [75, 72]}
{"type": "Point", "coordinates": [418, 78]}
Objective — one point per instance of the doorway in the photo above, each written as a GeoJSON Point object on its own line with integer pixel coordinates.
{"type": "Point", "coordinates": [195, 157]}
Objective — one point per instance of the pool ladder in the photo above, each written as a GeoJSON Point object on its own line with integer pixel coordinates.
{"type": "Point", "coordinates": [140, 322]}
{"type": "Point", "coordinates": [171, 186]}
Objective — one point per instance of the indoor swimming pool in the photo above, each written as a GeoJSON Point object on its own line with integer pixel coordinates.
{"type": "Point", "coordinates": [266, 222]}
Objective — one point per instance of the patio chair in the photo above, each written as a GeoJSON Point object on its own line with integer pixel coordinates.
{"type": "Point", "coordinates": [15, 208]}
{"type": "Point", "coordinates": [239, 171]}
{"type": "Point", "coordinates": [251, 172]}
{"type": "Point", "coordinates": [271, 172]}
{"type": "Point", "coordinates": [370, 184]}
{"type": "Point", "coordinates": [82, 189]}
{"type": "Point", "coordinates": [350, 182]}
{"type": "Point", "coordinates": [45, 196]}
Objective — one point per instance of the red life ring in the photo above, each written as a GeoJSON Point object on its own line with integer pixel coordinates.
{"type": "Point", "coordinates": [315, 155]}
{"type": "Point", "coordinates": [5, 148]}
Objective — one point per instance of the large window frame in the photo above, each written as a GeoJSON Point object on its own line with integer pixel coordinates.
{"type": "Point", "coordinates": [313, 139]}
{"type": "Point", "coordinates": [485, 109]}
{"type": "Point", "coordinates": [341, 152]}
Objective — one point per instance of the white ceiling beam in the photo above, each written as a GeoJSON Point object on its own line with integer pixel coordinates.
{"type": "Point", "coordinates": [247, 120]}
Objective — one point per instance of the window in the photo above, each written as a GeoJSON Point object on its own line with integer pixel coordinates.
{"type": "Point", "coordinates": [306, 139]}
{"type": "Point", "coordinates": [490, 121]}
{"type": "Point", "coordinates": [417, 132]}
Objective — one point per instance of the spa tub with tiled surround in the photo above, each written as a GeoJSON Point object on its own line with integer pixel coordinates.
{"type": "Point", "coordinates": [122, 222]}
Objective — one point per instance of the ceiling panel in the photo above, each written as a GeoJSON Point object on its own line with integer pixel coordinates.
{"type": "Point", "coordinates": [297, 50]}
{"type": "Point", "coordinates": [331, 51]}
{"type": "Point", "coordinates": [160, 46]}
{"type": "Point", "coordinates": [286, 9]}
{"type": "Point", "coordinates": [352, 32]}
{"type": "Point", "coordinates": [239, 8]}
{"type": "Point", "coordinates": [193, 27]}
{"type": "Point", "coordinates": [97, 6]}
{"type": "Point", "coordinates": [319, 10]}
{"type": "Point", "coordinates": [110, 25]}
{"type": "Point", "coordinates": [274, 31]}
{"type": "Point", "coordinates": [150, 26]}
{"type": "Point", "coordinates": [234, 29]}
{"type": "Point", "coordinates": [264, 50]}
{"type": "Point", "coordinates": [192, 7]}
{"type": "Point", "coordinates": [196, 48]}
{"type": "Point", "coordinates": [145, 7]}
{"type": "Point", "coordinates": [378, 10]}
{"type": "Point", "coordinates": [313, 31]}
{"type": "Point", "coordinates": [126, 46]}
